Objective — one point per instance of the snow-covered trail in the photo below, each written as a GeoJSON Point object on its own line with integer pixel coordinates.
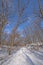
{"type": "Point", "coordinates": [25, 57]}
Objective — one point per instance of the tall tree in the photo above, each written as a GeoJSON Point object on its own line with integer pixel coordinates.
{"type": "Point", "coordinates": [3, 19]}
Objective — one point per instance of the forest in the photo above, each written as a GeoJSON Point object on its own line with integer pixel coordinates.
{"type": "Point", "coordinates": [21, 24]}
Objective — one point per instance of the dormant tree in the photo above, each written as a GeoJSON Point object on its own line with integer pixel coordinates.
{"type": "Point", "coordinates": [39, 17]}
{"type": "Point", "coordinates": [3, 19]}
{"type": "Point", "coordinates": [19, 22]}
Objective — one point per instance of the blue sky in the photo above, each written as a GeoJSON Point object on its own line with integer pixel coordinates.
{"type": "Point", "coordinates": [13, 17]}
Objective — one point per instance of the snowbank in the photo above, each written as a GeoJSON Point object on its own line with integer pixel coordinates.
{"type": "Point", "coordinates": [25, 57]}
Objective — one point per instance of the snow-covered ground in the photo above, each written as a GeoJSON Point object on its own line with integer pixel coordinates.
{"type": "Point", "coordinates": [24, 56]}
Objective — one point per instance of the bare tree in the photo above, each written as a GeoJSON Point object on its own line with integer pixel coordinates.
{"type": "Point", "coordinates": [3, 19]}
{"type": "Point", "coordinates": [19, 22]}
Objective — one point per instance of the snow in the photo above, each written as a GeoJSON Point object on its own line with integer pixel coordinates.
{"type": "Point", "coordinates": [25, 57]}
